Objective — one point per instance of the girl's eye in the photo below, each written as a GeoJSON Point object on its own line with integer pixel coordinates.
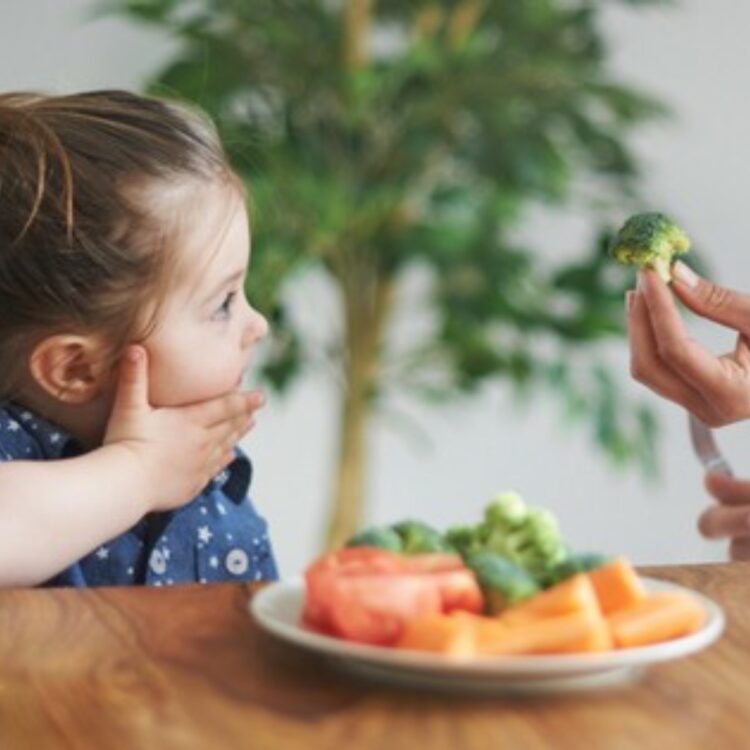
{"type": "Point", "coordinates": [225, 310]}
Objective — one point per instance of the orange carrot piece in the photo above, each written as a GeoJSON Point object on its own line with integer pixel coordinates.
{"type": "Point", "coordinates": [452, 635]}
{"type": "Point", "coordinates": [575, 632]}
{"type": "Point", "coordinates": [659, 617]}
{"type": "Point", "coordinates": [575, 594]}
{"type": "Point", "coordinates": [617, 586]}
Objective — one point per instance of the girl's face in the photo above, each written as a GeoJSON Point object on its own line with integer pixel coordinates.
{"type": "Point", "coordinates": [207, 329]}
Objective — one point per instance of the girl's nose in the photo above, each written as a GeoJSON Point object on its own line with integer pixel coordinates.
{"type": "Point", "coordinates": [255, 329]}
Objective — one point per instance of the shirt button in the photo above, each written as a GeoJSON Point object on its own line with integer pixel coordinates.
{"type": "Point", "coordinates": [237, 561]}
{"type": "Point", "coordinates": [157, 563]}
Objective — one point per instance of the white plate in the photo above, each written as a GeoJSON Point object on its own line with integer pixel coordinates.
{"type": "Point", "coordinates": [277, 608]}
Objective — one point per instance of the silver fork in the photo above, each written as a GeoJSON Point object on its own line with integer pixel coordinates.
{"type": "Point", "coordinates": [705, 447]}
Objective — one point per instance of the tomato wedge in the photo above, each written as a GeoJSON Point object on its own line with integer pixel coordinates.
{"type": "Point", "coordinates": [374, 609]}
{"type": "Point", "coordinates": [459, 590]}
{"type": "Point", "coordinates": [368, 594]}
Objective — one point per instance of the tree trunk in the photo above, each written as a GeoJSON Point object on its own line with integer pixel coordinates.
{"type": "Point", "coordinates": [463, 20]}
{"type": "Point", "coordinates": [366, 318]}
{"type": "Point", "coordinates": [357, 20]}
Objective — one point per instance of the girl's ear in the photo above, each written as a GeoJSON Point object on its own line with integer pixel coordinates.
{"type": "Point", "coordinates": [69, 367]}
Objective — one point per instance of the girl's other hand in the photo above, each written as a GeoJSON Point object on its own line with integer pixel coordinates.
{"type": "Point", "coordinates": [729, 517]}
{"type": "Point", "coordinates": [667, 360]}
{"type": "Point", "coordinates": [176, 450]}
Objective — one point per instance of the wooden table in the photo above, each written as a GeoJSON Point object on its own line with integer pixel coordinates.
{"type": "Point", "coordinates": [187, 668]}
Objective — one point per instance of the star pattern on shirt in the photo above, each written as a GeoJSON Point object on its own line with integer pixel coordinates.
{"type": "Point", "coordinates": [205, 534]}
{"type": "Point", "coordinates": [102, 553]}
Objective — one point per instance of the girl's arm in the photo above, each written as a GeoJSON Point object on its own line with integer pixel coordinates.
{"type": "Point", "coordinates": [52, 513]}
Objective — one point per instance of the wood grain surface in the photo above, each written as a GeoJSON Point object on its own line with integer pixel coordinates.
{"type": "Point", "coordinates": [186, 667]}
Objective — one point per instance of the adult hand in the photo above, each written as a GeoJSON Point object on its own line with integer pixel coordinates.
{"type": "Point", "coordinates": [729, 517]}
{"type": "Point", "coordinates": [175, 450]}
{"type": "Point", "coordinates": [667, 360]}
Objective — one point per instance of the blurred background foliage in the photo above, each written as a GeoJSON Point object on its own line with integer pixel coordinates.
{"type": "Point", "coordinates": [380, 137]}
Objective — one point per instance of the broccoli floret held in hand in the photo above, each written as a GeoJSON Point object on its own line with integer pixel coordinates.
{"type": "Point", "coordinates": [650, 240]}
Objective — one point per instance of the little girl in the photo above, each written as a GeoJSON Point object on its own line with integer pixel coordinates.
{"type": "Point", "coordinates": [124, 336]}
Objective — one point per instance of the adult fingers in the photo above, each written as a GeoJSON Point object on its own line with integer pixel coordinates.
{"type": "Point", "coordinates": [696, 365]}
{"type": "Point", "coordinates": [132, 381]}
{"type": "Point", "coordinates": [647, 367]}
{"type": "Point", "coordinates": [728, 490]}
{"type": "Point", "coordinates": [739, 549]}
{"type": "Point", "coordinates": [721, 521]}
{"type": "Point", "coordinates": [710, 300]}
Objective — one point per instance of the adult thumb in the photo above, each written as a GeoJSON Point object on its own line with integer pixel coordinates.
{"type": "Point", "coordinates": [132, 382]}
{"type": "Point", "coordinates": [709, 300]}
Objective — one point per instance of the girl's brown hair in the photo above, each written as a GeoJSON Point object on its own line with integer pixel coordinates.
{"type": "Point", "coordinates": [81, 246]}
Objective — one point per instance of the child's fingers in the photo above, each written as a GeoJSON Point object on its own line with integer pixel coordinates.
{"type": "Point", "coordinates": [224, 409]}
{"type": "Point", "coordinates": [132, 382]}
{"type": "Point", "coordinates": [728, 490]}
{"type": "Point", "coordinates": [227, 433]}
{"type": "Point", "coordinates": [646, 366]}
{"type": "Point", "coordinates": [720, 522]}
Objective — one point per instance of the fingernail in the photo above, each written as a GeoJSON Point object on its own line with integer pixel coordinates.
{"type": "Point", "coordinates": [134, 354]}
{"type": "Point", "coordinates": [685, 274]}
{"type": "Point", "coordinates": [629, 300]}
{"type": "Point", "coordinates": [640, 282]}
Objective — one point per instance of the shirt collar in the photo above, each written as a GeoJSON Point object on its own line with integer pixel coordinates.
{"type": "Point", "coordinates": [50, 440]}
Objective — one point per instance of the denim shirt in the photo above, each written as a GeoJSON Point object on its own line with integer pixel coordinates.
{"type": "Point", "coordinates": [217, 536]}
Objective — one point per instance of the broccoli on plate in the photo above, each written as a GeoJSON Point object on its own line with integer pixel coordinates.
{"type": "Point", "coordinates": [377, 536]}
{"type": "Point", "coordinates": [407, 537]}
{"type": "Point", "coordinates": [503, 583]}
{"type": "Point", "coordinates": [525, 536]}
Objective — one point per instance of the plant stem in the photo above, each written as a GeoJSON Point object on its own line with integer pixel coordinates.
{"type": "Point", "coordinates": [464, 19]}
{"type": "Point", "coordinates": [366, 318]}
{"type": "Point", "coordinates": [357, 20]}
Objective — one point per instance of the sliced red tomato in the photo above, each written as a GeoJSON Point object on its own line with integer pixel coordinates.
{"type": "Point", "coordinates": [359, 560]}
{"type": "Point", "coordinates": [366, 594]}
{"type": "Point", "coordinates": [374, 609]}
{"type": "Point", "coordinates": [321, 576]}
{"type": "Point", "coordinates": [459, 590]}
{"type": "Point", "coordinates": [434, 562]}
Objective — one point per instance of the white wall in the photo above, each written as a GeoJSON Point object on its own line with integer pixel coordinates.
{"type": "Point", "coordinates": [697, 166]}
